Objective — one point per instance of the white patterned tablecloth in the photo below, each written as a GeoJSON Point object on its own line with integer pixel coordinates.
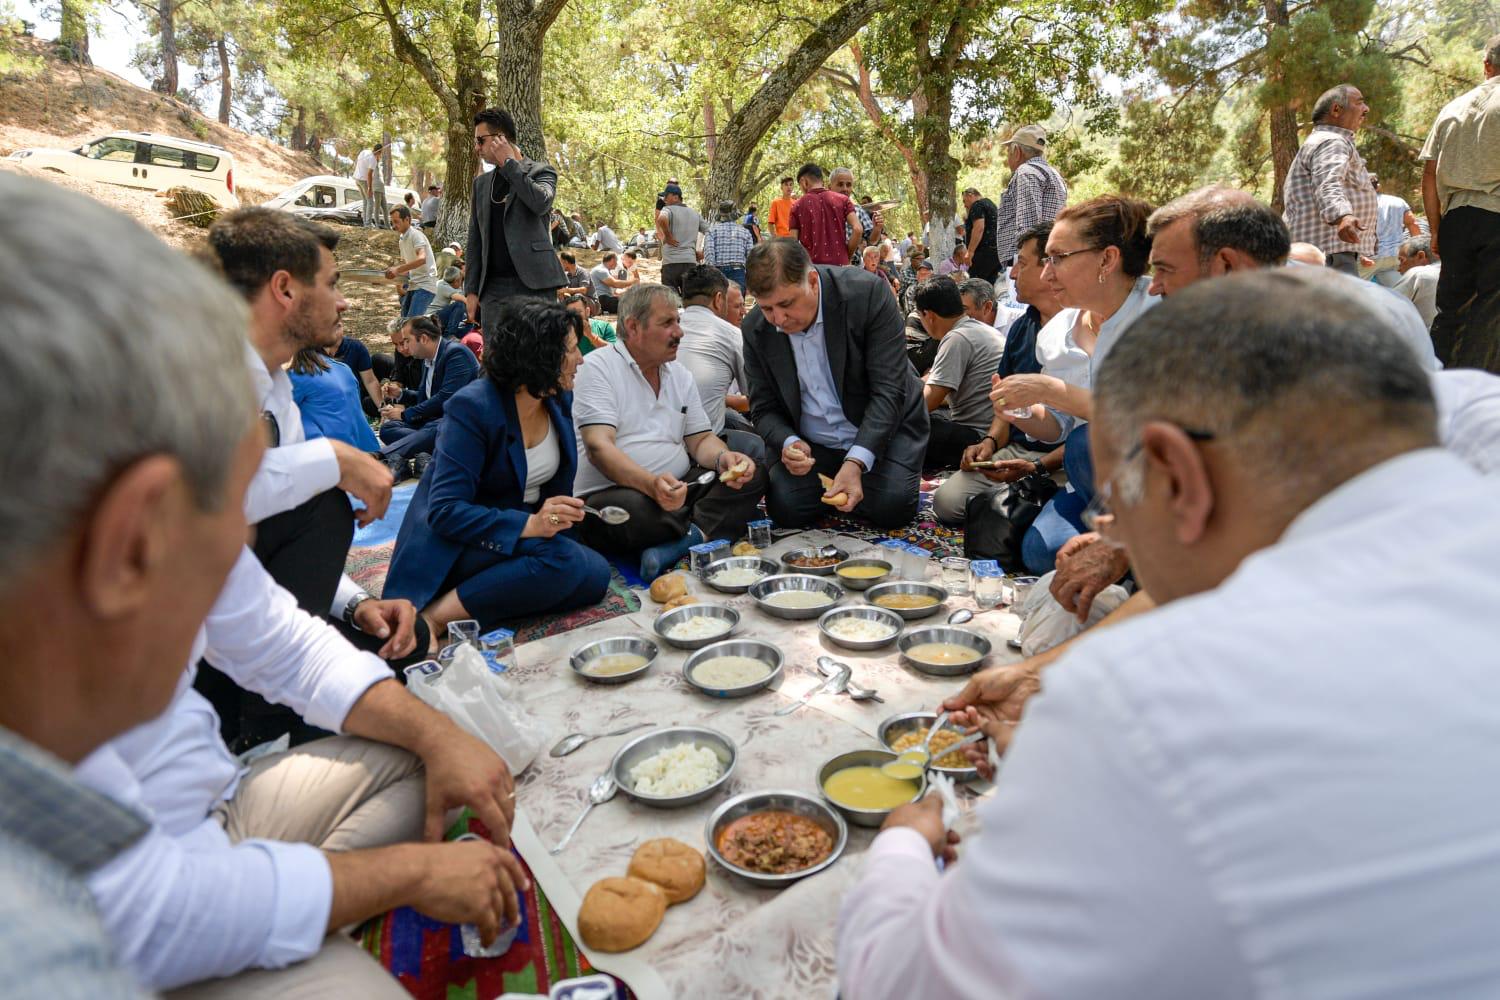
{"type": "Point", "coordinates": [732, 939]}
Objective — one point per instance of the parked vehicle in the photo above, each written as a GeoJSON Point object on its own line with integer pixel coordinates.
{"type": "Point", "coordinates": [145, 160]}
{"type": "Point", "coordinates": [332, 199]}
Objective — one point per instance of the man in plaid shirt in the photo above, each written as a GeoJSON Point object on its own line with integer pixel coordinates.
{"type": "Point", "coordinates": [727, 243]}
{"type": "Point", "coordinates": [1330, 201]}
{"type": "Point", "coordinates": [1035, 194]}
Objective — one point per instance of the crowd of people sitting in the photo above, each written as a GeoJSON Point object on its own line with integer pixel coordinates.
{"type": "Point", "coordinates": [1268, 457]}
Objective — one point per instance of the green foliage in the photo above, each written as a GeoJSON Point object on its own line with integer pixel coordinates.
{"type": "Point", "coordinates": [1165, 147]}
{"type": "Point", "coordinates": [14, 62]}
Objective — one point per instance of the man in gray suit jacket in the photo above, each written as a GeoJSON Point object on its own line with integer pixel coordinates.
{"type": "Point", "coordinates": [510, 241]}
{"type": "Point", "coordinates": [831, 390]}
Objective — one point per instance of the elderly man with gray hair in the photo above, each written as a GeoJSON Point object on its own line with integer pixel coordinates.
{"type": "Point", "coordinates": [141, 439]}
{"type": "Point", "coordinates": [1330, 201]}
{"type": "Point", "coordinates": [1192, 804]}
{"type": "Point", "coordinates": [646, 445]}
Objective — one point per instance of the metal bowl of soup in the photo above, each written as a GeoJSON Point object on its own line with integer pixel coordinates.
{"type": "Point", "coordinates": [737, 574]}
{"type": "Point", "coordinates": [865, 764]}
{"type": "Point", "coordinates": [908, 598]}
{"type": "Point", "coordinates": [795, 595]}
{"type": "Point", "coordinates": [720, 670]}
{"type": "Point", "coordinates": [614, 661]}
{"type": "Point", "coordinates": [862, 574]}
{"type": "Point", "coordinates": [944, 650]}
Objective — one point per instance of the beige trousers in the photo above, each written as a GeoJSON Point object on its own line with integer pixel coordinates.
{"type": "Point", "coordinates": [950, 499]}
{"type": "Point", "coordinates": [339, 794]}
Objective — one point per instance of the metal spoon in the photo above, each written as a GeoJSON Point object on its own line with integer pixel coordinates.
{"type": "Point", "coordinates": [937, 724]}
{"type": "Point", "coordinates": [828, 551]}
{"type": "Point", "coordinates": [828, 667]}
{"type": "Point", "coordinates": [609, 515]}
{"type": "Point", "coordinates": [573, 741]}
{"type": "Point", "coordinates": [960, 616]}
{"type": "Point", "coordinates": [602, 790]}
{"type": "Point", "coordinates": [839, 678]}
{"type": "Point", "coordinates": [704, 479]}
{"type": "Point", "coordinates": [909, 758]}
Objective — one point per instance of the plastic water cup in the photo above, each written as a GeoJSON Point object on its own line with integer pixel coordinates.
{"type": "Point", "coordinates": [473, 944]}
{"type": "Point", "coordinates": [988, 582]}
{"type": "Point", "coordinates": [955, 575]}
{"type": "Point", "coordinates": [760, 533]}
{"type": "Point", "coordinates": [465, 630]}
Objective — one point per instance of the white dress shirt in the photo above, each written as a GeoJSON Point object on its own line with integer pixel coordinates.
{"type": "Point", "coordinates": [1468, 405]}
{"type": "Point", "coordinates": [1396, 310]}
{"type": "Point", "coordinates": [1279, 788]}
{"type": "Point", "coordinates": [184, 904]}
{"type": "Point", "coordinates": [1419, 286]}
{"type": "Point", "coordinates": [823, 419]}
{"type": "Point", "coordinates": [713, 350]}
{"type": "Point", "coordinates": [296, 470]}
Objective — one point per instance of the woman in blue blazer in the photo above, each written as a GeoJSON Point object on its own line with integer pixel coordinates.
{"type": "Point", "coordinates": [487, 533]}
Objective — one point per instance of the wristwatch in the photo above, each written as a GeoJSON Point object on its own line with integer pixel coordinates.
{"type": "Point", "coordinates": [353, 605]}
{"type": "Point", "coordinates": [1039, 467]}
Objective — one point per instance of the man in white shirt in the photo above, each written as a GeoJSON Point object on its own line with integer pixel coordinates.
{"type": "Point", "coordinates": [1420, 270]}
{"type": "Point", "coordinates": [608, 285]}
{"type": "Point", "coordinates": [712, 349]}
{"type": "Point", "coordinates": [644, 442]}
{"type": "Point", "coordinates": [113, 551]}
{"type": "Point", "coordinates": [284, 267]}
{"type": "Point", "coordinates": [1207, 800]}
{"type": "Point", "coordinates": [416, 262]}
{"type": "Point", "coordinates": [605, 239]}
{"type": "Point", "coordinates": [367, 176]}
{"type": "Point", "coordinates": [431, 205]}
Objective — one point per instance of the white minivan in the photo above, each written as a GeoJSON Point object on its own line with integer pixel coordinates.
{"type": "Point", "coordinates": [329, 197]}
{"type": "Point", "coordinates": [144, 160]}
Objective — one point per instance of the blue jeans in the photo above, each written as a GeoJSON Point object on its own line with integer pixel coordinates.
{"type": "Point", "coordinates": [417, 301]}
{"type": "Point", "coordinates": [1062, 518]}
{"type": "Point", "coordinates": [736, 275]}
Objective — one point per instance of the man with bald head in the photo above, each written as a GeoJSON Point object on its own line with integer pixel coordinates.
{"type": "Point", "coordinates": [1191, 806]}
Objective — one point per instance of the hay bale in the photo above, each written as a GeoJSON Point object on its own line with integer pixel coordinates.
{"type": "Point", "coordinates": [193, 207]}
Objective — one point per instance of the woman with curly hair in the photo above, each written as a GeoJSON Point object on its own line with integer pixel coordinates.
{"type": "Point", "coordinates": [487, 535]}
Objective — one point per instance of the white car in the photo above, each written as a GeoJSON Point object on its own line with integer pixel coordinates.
{"type": "Point", "coordinates": [325, 196]}
{"type": "Point", "coordinates": [145, 160]}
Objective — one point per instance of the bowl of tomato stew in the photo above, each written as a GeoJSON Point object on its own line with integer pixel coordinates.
{"type": "Point", "coordinates": [772, 839]}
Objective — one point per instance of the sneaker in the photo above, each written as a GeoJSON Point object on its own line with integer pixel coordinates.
{"type": "Point", "coordinates": [419, 465]}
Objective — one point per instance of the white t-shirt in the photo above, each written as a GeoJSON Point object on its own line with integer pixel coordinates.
{"type": "Point", "coordinates": [364, 167]}
{"type": "Point", "coordinates": [541, 464]}
{"type": "Point", "coordinates": [649, 427]}
{"type": "Point", "coordinates": [713, 351]}
{"type": "Point", "coordinates": [423, 278]}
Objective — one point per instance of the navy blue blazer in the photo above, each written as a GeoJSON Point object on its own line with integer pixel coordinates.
{"type": "Point", "coordinates": [453, 368]}
{"type": "Point", "coordinates": [471, 493]}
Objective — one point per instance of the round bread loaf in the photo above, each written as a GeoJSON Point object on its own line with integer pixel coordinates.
{"type": "Point", "coordinates": [671, 864]}
{"type": "Point", "coordinates": [664, 588]}
{"type": "Point", "coordinates": [620, 913]}
{"type": "Point", "coordinates": [678, 602]}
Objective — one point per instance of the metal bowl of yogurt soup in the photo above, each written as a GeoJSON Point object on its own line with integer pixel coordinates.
{"type": "Point", "coordinates": [944, 635]}
{"type": "Point", "coordinates": [755, 649]}
{"type": "Point", "coordinates": [756, 564]}
{"type": "Point", "coordinates": [620, 646]}
{"type": "Point", "coordinates": [863, 613]}
{"type": "Point", "coordinates": [666, 621]}
{"type": "Point", "coordinates": [905, 588]}
{"type": "Point", "coordinates": [796, 583]}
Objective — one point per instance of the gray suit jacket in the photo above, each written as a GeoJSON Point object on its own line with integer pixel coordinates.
{"type": "Point", "coordinates": [880, 393]}
{"type": "Point", "coordinates": [528, 234]}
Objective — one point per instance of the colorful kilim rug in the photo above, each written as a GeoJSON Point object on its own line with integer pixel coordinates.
{"type": "Point", "coordinates": [427, 955]}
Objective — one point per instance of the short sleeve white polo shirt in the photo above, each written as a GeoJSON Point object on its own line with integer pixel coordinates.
{"type": "Point", "coordinates": [649, 427]}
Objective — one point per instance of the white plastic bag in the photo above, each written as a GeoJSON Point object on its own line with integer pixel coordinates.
{"type": "Point", "coordinates": [1045, 623]}
{"type": "Point", "coordinates": [483, 703]}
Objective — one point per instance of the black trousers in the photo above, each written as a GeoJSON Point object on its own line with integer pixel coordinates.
{"type": "Point", "coordinates": [672, 274]}
{"type": "Point", "coordinates": [304, 550]}
{"type": "Point", "coordinates": [988, 269]}
{"type": "Point", "coordinates": [1466, 330]}
{"type": "Point", "coordinates": [609, 304]}
{"type": "Point", "coordinates": [946, 442]}
{"type": "Point", "coordinates": [497, 290]}
{"type": "Point", "coordinates": [717, 510]}
{"type": "Point", "coordinates": [890, 492]}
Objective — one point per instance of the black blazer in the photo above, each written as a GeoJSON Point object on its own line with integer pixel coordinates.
{"type": "Point", "coordinates": [528, 235]}
{"type": "Point", "coordinates": [866, 339]}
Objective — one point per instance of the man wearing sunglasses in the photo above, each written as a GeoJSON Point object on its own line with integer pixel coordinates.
{"type": "Point", "coordinates": [510, 242]}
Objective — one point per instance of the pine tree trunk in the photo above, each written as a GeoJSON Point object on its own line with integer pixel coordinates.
{"type": "Point", "coordinates": [1283, 115]}
{"type": "Point", "coordinates": [226, 82]}
{"type": "Point", "coordinates": [740, 135]}
{"type": "Point", "coordinates": [166, 28]}
{"type": "Point", "coordinates": [73, 39]}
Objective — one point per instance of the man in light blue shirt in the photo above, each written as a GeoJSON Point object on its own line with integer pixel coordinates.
{"type": "Point", "coordinates": [831, 390]}
{"type": "Point", "coordinates": [1394, 222]}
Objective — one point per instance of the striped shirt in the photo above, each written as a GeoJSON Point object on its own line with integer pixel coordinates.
{"type": "Point", "coordinates": [727, 244]}
{"type": "Point", "coordinates": [1035, 194]}
{"type": "Point", "coordinates": [1328, 181]}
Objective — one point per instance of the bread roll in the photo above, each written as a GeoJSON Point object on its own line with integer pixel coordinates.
{"type": "Point", "coordinates": [664, 588]}
{"type": "Point", "coordinates": [678, 602]}
{"type": "Point", "coordinates": [620, 913]}
{"type": "Point", "coordinates": [734, 472]}
{"type": "Point", "coordinates": [671, 864]}
{"type": "Point", "coordinates": [838, 499]}
{"type": "Point", "coordinates": [744, 549]}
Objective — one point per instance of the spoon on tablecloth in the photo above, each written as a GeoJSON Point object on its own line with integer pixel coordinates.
{"type": "Point", "coordinates": [960, 616]}
{"type": "Point", "coordinates": [829, 667]}
{"type": "Point", "coordinates": [602, 790]}
{"type": "Point", "coordinates": [573, 741]}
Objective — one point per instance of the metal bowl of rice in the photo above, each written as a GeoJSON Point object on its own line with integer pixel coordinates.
{"type": "Point", "coordinates": [694, 626]}
{"type": "Point", "coordinates": [673, 766]}
{"type": "Point", "coordinates": [861, 627]}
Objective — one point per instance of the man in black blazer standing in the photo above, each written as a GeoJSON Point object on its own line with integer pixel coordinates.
{"type": "Point", "coordinates": [831, 390]}
{"type": "Point", "coordinates": [510, 241]}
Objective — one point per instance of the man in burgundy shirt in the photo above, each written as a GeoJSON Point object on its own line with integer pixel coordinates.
{"type": "Point", "coordinates": [819, 218]}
